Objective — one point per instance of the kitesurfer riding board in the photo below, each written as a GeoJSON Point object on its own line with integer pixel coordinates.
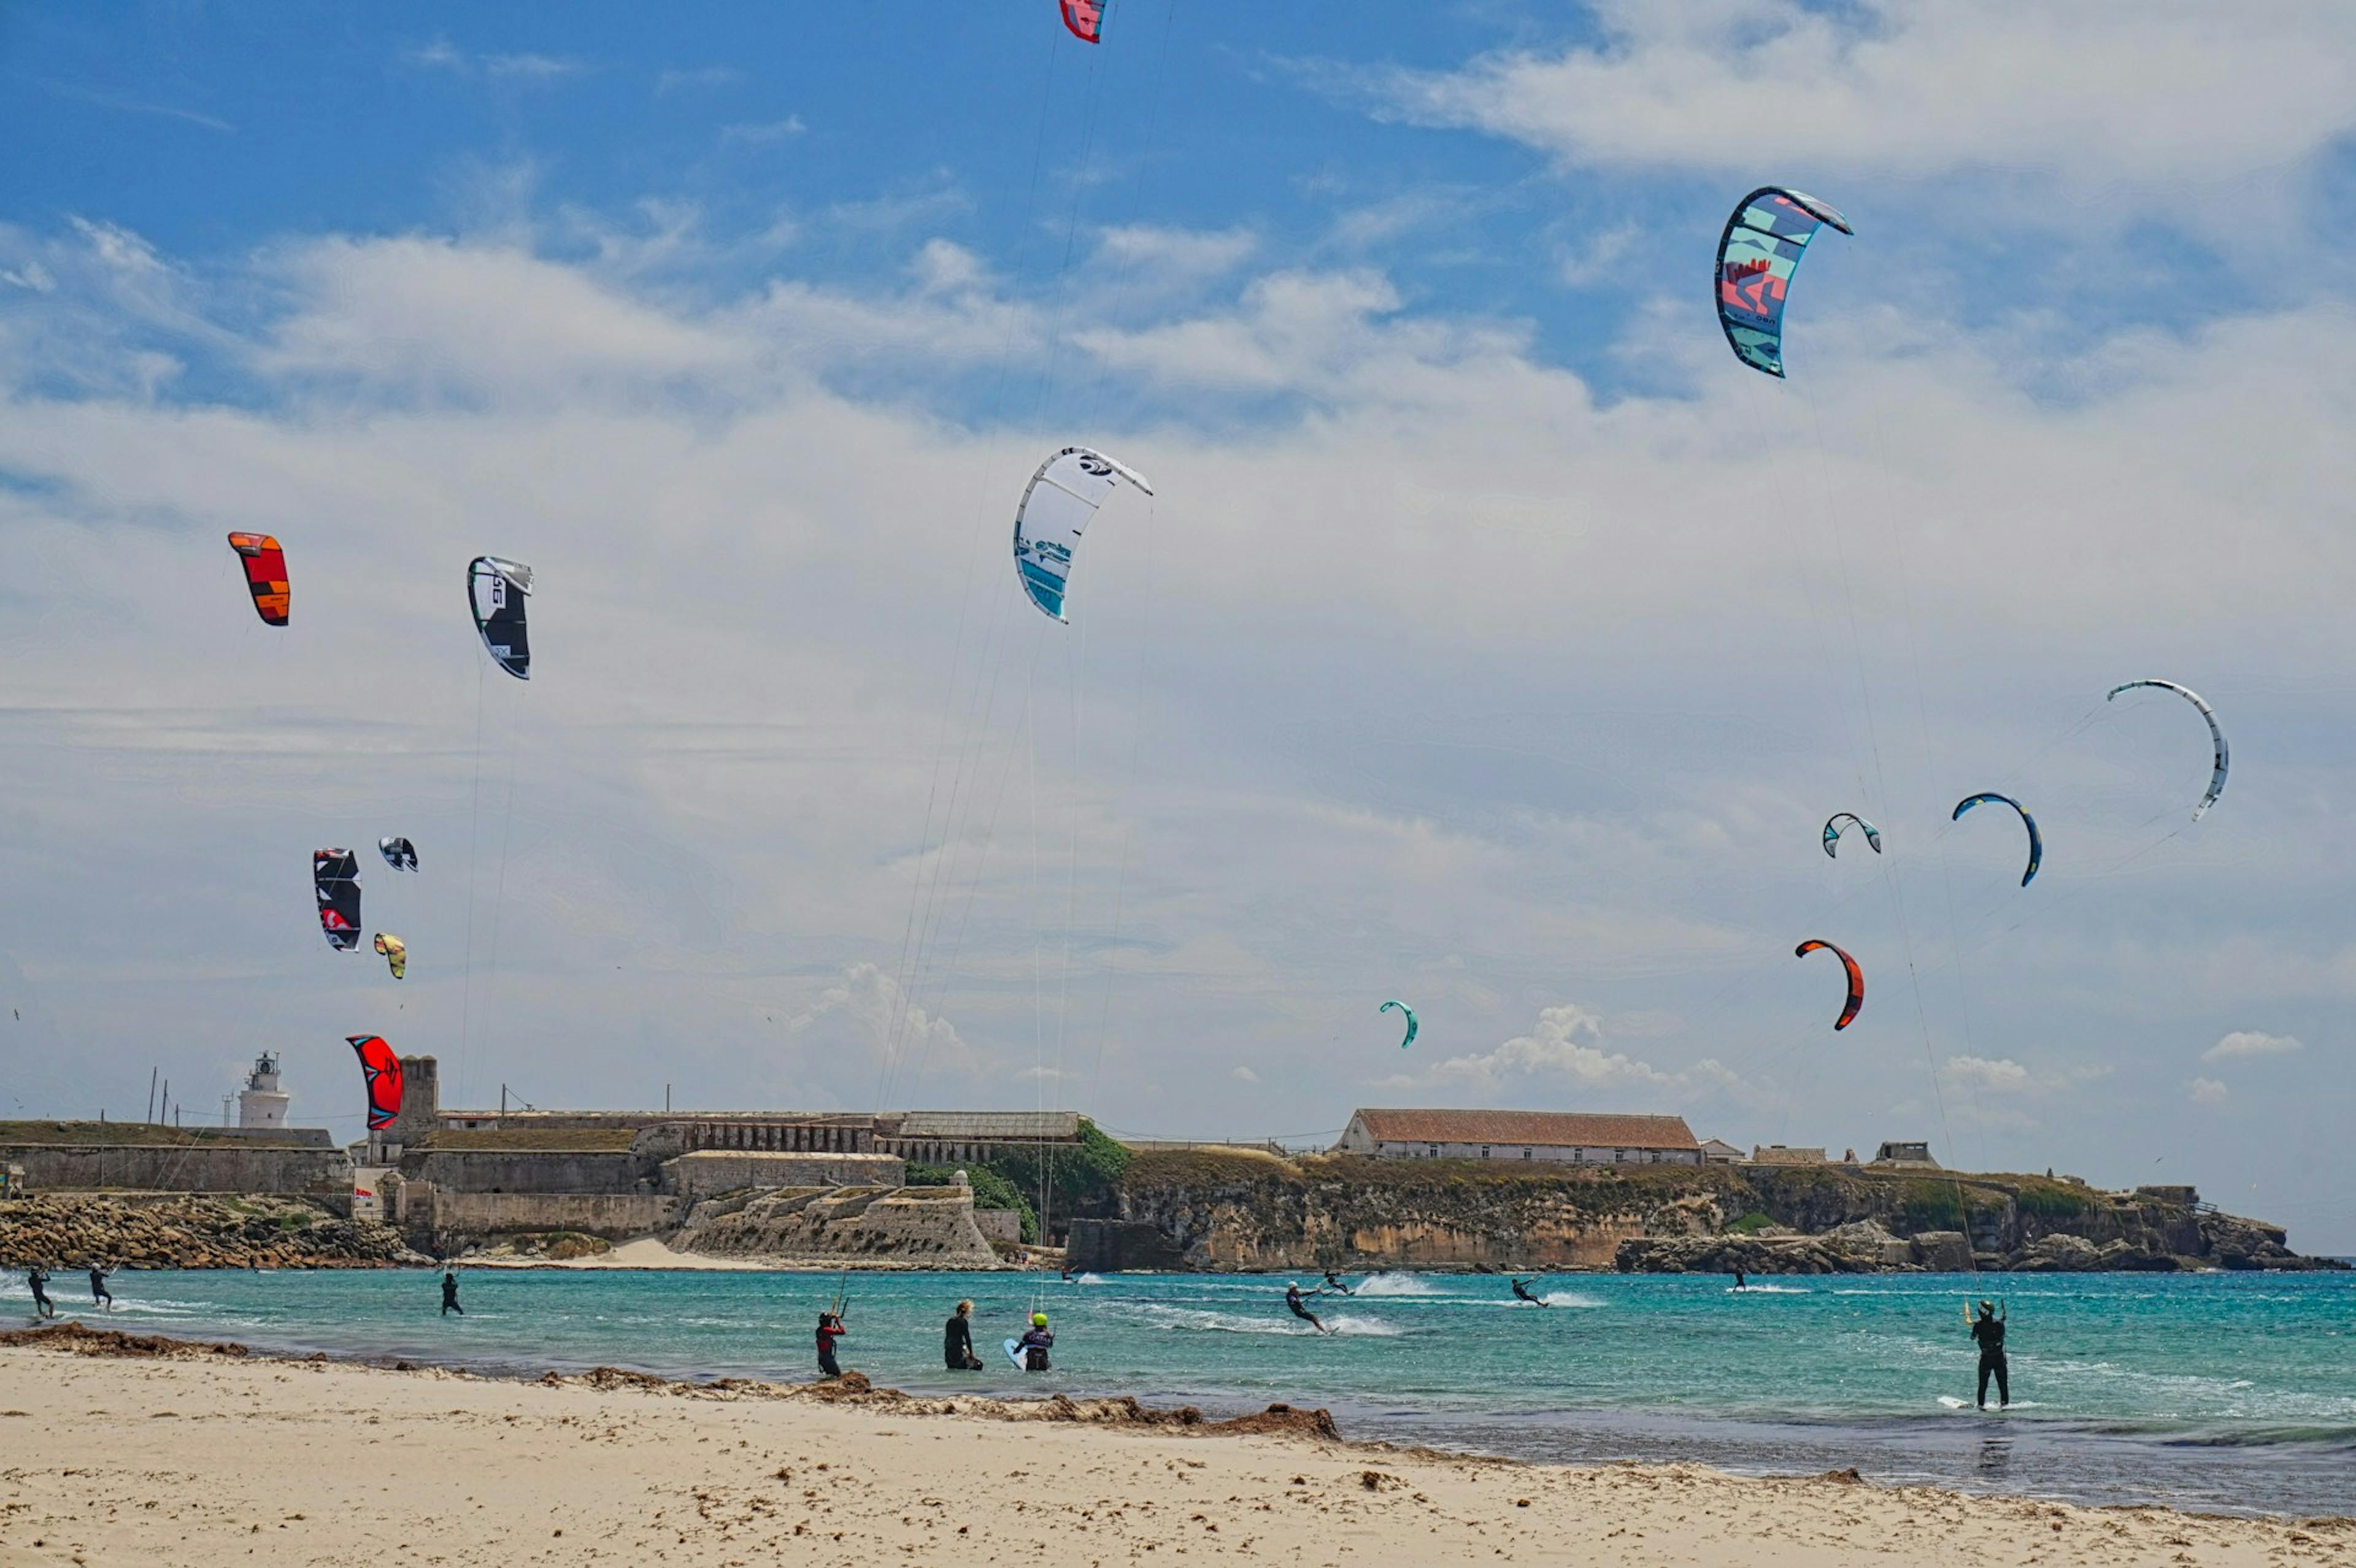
{"type": "Point", "coordinates": [1299, 1305]}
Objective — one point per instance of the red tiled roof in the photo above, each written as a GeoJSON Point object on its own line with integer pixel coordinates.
{"type": "Point", "coordinates": [1561, 1129]}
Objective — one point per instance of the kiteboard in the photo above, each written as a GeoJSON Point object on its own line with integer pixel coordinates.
{"type": "Point", "coordinates": [1014, 1354]}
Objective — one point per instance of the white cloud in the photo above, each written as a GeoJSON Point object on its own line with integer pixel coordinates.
{"type": "Point", "coordinates": [1162, 255]}
{"type": "Point", "coordinates": [2087, 94]}
{"type": "Point", "coordinates": [763, 132]}
{"type": "Point", "coordinates": [538, 67]}
{"type": "Point", "coordinates": [1243, 1075]}
{"type": "Point", "coordinates": [2206, 1092]}
{"type": "Point", "coordinates": [1564, 1049]}
{"type": "Point", "coordinates": [441, 54]}
{"type": "Point", "coordinates": [2251, 1042]}
{"type": "Point", "coordinates": [867, 1012]}
{"type": "Point", "coordinates": [2003, 1076]}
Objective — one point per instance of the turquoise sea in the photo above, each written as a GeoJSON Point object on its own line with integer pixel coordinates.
{"type": "Point", "coordinates": [2222, 1392]}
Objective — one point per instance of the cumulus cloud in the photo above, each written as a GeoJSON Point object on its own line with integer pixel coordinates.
{"type": "Point", "coordinates": [2251, 1042]}
{"type": "Point", "coordinates": [2087, 94]}
{"type": "Point", "coordinates": [1564, 1049]}
{"type": "Point", "coordinates": [867, 1010]}
{"type": "Point", "coordinates": [2206, 1092]}
{"type": "Point", "coordinates": [2003, 1076]}
{"type": "Point", "coordinates": [1244, 1075]}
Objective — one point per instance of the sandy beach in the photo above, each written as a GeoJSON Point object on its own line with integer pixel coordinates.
{"type": "Point", "coordinates": [201, 1458]}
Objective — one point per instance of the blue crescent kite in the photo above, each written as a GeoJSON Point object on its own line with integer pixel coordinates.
{"type": "Point", "coordinates": [1757, 254]}
{"type": "Point", "coordinates": [1402, 1006]}
{"type": "Point", "coordinates": [2036, 840]}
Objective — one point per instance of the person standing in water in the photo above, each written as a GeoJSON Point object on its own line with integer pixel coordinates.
{"type": "Point", "coordinates": [99, 1293]}
{"type": "Point", "coordinates": [1988, 1328]}
{"type": "Point", "coordinates": [1740, 1283]}
{"type": "Point", "coordinates": [1035, 1343]}
{"type": "Point", "coordinates": [957, 1340]}
{"type": "Point", "coordinates": [1299, 1305]}
{"type": "Point", "coordinates": [1333, 1283]}
{"type": "Point", "coordinates": [1522, 1289]}
{"type": "Point", "coordinates": [830, 1329]}
{"type": "Point", "coordinates": [37, 1277]}
{"type": "Point", "coordinates": [450, 1294]}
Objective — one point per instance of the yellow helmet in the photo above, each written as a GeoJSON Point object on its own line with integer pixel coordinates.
{"type": "Point", "coordinates": [1038, 1320]}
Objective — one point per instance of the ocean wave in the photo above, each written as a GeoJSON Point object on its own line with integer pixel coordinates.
{"type": "Point", "coordinates": [1284, 1325]}
{"type": "Point", "coordinates": [1394, 1285]}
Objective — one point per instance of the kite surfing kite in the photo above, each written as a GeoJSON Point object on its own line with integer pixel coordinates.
{"type": "Point", "coordinates": [1086, 19]}
{"type": "Point", "coordinates": [382, 1070]}
{"type": "Point", "coordinates": [1757, 254]}
{"type": "Point", "coordinates": [1833, 832]}
{"type": "Point", "coordinates": [396, 954]}
{"type": "Point", "coordinates": [1057, 507]}
{"type": "Point", "coordinates": [2036, 840]}
{"type": "Point", "coordinates": [1403, 1007]}
{"type": "Point", "coordinates": [1855, 979]}
{"type": "Point", "coordinates": [399, 853]}
{"type": "Point", "coordinates": [2222, 759]}
{"type": "Point", "coordinates": [499, 590]}
{"type": "Point", "coordinates": [335, 878]}
{"type": "Point", "coordinates": [265, 575]}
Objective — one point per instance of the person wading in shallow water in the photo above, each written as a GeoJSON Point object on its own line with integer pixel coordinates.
{"type": "Point", "coordinates": [450, 1294]}
{"type": "Point", "coordinates": [957, 1340]}
{"type": "Point", "coordinates": [37, 1277]}
{"type": "Point", "coordinates": [1988, 1328]}
{"type": "Point", "coordinates": [830, 1329]}
{"type": "Point", "coordinates": [99, 1293]}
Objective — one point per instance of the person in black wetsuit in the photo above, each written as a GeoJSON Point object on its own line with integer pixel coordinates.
{"type": "Point", "coordinates": [1741, 1283]}
{"type": "Point", "coordinates": [1333, 1283]}
{"type": "Point", "coordinates": [1035, 1343]}
{"type": "Point", "coordinates": [37, 1276]}
{"type": "Point", "coordinates": [1522, 1289]}
{"type": "Point", "coordinates": [1299, 1304]}
{"type": "Point", "coordinates": [1988, 1328]}
{"type": "Point", "coordinates": [450, 1294]}
{"type": "Point", "coordinates": [98, 1292]}
{"type": "Point", "coordinates": [957, 1340]}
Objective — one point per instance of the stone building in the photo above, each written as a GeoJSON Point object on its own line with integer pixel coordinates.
{"type": "Point", "coordinates": [1904, 1157]}
{"type": "Point", "coordinates": [1564, 1136]}
{"type": "Point", "coordinates": [1779, 1154]}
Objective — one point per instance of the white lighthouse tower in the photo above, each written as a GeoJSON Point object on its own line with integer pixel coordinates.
{"type": "Point", "coordinates": [261, 1102]}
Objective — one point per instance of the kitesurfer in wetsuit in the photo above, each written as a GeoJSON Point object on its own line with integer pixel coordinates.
{"type": "Point", "coordinates": [830, 1329]}
{"type": "Point", "coordinates": [1739, 1283]}
{"type": "Point", "coordinates": [38, 1276]}
{"type": "Point", "coordinates": [957, 1340]}
{"type": "Point", "coordinates": [98, 1291]}
{"type": "Point", "coordinates": [1333, 1283]}
{"type": "Point", "coordinates": [1522, 1289]}
{"type": "Point", "coordinates": [1035, 1343]}
{"type": "Point", "coordinates": [1988, 1328]}
{"type": "Point", "coordinates": [450, 1294]}
{"type": "Point", "coordinates": [1299, 1305]}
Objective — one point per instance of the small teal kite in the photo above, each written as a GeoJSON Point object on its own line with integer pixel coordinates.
{"type": "Point", "coordinates": [1402, 1006]}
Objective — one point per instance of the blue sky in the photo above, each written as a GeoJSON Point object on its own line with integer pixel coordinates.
{"type": "Point", "coordinates": [1493, 640]}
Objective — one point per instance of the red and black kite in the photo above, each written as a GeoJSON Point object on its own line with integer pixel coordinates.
{"type": "Point", "coordinates": [1856, 978]}
{"type": "Point", "coordinates": [382, 1068]}
{"type": "Point", "coordinates": [336, 878]}
{"type": "Point", "coordinates": [1086, 19]}
{"type": "Point", "coordinates": [265, 574]}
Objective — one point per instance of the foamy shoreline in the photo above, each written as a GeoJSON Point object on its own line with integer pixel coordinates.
{"type": "Point", "coordinates": [193, 1456]}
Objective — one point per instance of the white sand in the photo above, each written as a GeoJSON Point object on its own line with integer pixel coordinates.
{"type": "Point", "coordinates": [211, 1461]}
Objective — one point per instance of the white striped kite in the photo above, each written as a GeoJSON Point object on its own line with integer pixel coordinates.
{"type": "Point", "coordinates": [1833, 832]}
{"type": "Point", "coordinates": [2222, 758]}
{"type": "Point", "coordinates": [1057, 507]}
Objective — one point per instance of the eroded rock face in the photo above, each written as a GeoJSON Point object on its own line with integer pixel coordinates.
{"type": "Point", "coordinates": [1247, 1210]}
{"type": "Point", "coordinates": [923, 1227]}
{"type": "Point", "coordinates": [80, 1231]}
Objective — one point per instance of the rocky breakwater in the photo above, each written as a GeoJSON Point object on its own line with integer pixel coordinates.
{"type": "Point", "coordinates": [191, 1233]}
{"type": "Point", "coordinates": [874, 1227]}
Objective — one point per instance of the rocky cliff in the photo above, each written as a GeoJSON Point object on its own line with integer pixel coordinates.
{"type": "Point", "coordinates": [1236, 1210]}
{"type": "Point", "coordinates": [916, 1227]}
{"type": "Point", "coordinates": [190, 1233]}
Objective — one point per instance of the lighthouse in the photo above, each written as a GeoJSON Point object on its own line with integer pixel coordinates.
{"type": "Point", "coordinates": [261, 1102]}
